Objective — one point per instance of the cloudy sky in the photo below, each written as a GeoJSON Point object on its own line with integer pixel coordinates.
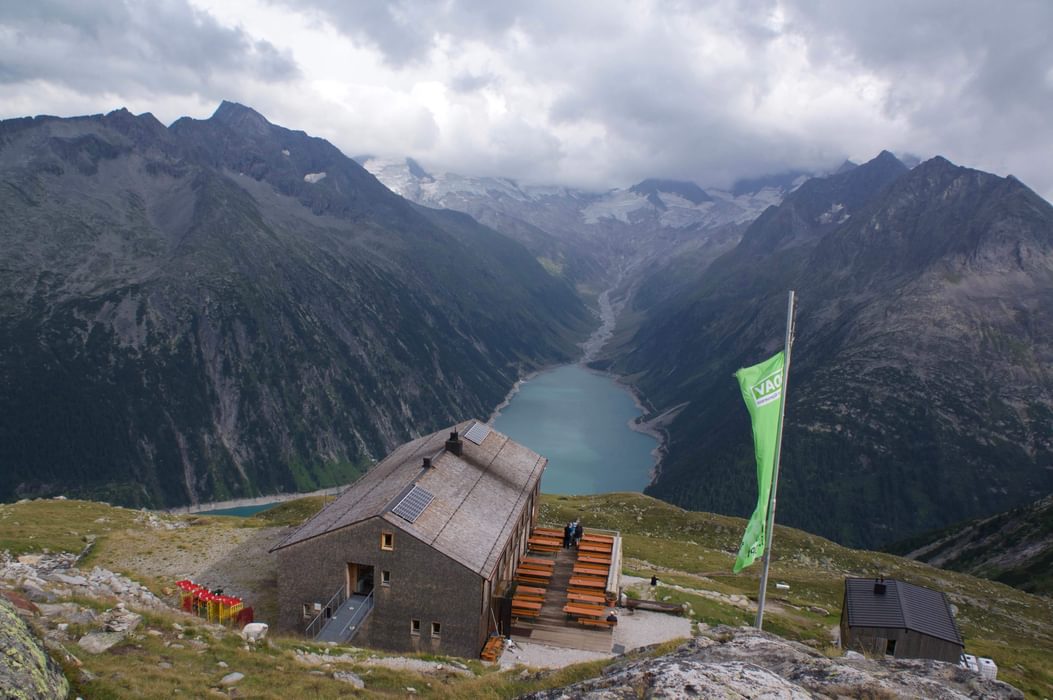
{"type": "Point", "coordinates": [591, 94]}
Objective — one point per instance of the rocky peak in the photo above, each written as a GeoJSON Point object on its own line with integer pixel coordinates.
{"type": "Point", "coordinates": [845, 167]}
{"type": "Point", "coordinates": [821, 203]}
{"type": "Point", "coordinates": [240, 117]}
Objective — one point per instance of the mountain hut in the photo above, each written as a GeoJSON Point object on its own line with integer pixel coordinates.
{"type": "Point", "coordinates": [898, 619]}
{"type": "Point", "coordinates": [415, 555]}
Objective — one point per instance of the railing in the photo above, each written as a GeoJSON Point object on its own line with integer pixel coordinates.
{"type": "Point", "coordinates": [331, 607]}
{"type": "Point", "coordinates": [356, 619]}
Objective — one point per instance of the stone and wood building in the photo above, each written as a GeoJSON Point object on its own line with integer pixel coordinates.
{"type": "Point", "coordinates": [899, 619]}
{"type": "Point", "coordinates": [415, 554]}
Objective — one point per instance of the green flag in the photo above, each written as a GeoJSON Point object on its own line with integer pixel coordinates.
{"type": "Point", "coordinates": [761, 387]}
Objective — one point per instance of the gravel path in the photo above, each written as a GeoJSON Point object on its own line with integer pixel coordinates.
{"type": "Point", "coordinates": [638, 629]}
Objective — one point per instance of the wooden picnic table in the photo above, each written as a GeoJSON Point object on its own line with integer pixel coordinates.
{"type": "Point", "coordinates": [538, 561]}
{"type": "Point", "coordinates": [594, 537]}
{"type": "Point", "coordinates": [585, 610]}
{"type": "Point", "coordinates": [520, 593]}
{"type": "Point", "coordinates": [544, 548]}
{"type": "Point", "coordinates": [586, 598]}
{"type": "Point", "coordinates": [530, 590]}
{"type": "Point", "coordinates": [548, 532]}
{"type": "Point", "coordinates": [597, 548]}
{"type": "Point", "coordinates": [527, 578]}
{"type": "Point", "coordinates": [586, 568]}
{"type": "Point", "coordinates": [526, 604]}
{"type": "Point", "coordinates": [588, 582]}
{"type": "Point", "coordinates": [594, 559]}
{"type": "Point", "coordinates": [540, 539]}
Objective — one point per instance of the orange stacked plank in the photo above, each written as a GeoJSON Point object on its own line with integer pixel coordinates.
{"type": "Point", "coordinates": [492, 650]}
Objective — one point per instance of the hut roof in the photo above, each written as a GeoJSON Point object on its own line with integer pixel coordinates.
{"type": "Point", "coordinates": [476, 497]}
{"type": "Point", "coordinates": [902, 606]}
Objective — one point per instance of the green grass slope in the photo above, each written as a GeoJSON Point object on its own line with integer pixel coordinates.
{"type": "Point", "coordinates": [691, 552]}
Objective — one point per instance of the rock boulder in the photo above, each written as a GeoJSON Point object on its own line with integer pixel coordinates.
{"type": "Point", "coordinates": [26, 670]}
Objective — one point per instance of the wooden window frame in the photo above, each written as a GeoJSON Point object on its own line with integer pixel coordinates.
{"type": "Point", "coordinates": [385, 577]}
{"type": "Point", "coordinates": [387, 541]}
{"type": "Point", "coordinates": [414, 628]}
{"type": "Point", "coordinates": [436, 629]}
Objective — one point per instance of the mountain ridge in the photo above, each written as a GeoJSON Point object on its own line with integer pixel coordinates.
{"type": "Point", "coordinates": [916, 271]}
{"type": "Point", "coordinates": [232, 311]}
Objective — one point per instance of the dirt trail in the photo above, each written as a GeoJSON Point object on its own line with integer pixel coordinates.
{"type": "Point", "coordinates": [216, 555]}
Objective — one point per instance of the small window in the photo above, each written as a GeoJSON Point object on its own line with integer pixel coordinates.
{"type": "Point", "coordinates": [890, 647]}
{"type": "Point", "coordinates": [436, 629]}
{"type": "Point", "coordinates": [385, 578]}
{"type": "Point", "coordinates": [414, 627]}
{"type": "Point", "coordinates": [308, 611]}
{"type": "Point", "coordinates": [387, 540]}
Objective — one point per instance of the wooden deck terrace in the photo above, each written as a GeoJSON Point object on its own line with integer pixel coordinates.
{"type": "Point", "coordinates": [553, 626]}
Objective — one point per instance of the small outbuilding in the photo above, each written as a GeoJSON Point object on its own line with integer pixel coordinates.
{"type": "Point", "coordinates": [898, 619]}
{"type": "Point", "coordinates": [414, 556]}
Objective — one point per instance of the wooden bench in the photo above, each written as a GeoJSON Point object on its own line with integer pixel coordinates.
{"type": "Point", "coordinates": [591, 570]}
{"type": "Point", "coordinates": [596, 622]}
{"type": "Point", "coordinates": [601, 539]}
{"type": "Point", "coordinates": [548, 532]}
{"type": "Point", "coordinates": [588, 582]}
{"type": "Point", "coordinates": [586, 598]}
{"type": "Point", "coordinates": [594, 559]}
{"type": "Point", "coordinates": [530, 590]}
{"type": "Point", "coordinates": [536, 573]}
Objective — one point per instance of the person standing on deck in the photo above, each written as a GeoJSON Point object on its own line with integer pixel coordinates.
{"type": "Point", "coordinates": [578, 532]}
{"type": "Point", "coordinates": [568, 535]}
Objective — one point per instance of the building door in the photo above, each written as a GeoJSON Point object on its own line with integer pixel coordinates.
{"type": "Point", "coordinates": [359, 579]}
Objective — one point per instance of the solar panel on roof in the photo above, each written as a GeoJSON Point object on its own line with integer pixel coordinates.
{"type": "Point", "coordinates": [477, 433]}
{"type": "Point", "coordinates": [413, 504]}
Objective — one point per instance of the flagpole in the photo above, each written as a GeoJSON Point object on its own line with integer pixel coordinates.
{"type": "Point", "coordinates": [770, 527]}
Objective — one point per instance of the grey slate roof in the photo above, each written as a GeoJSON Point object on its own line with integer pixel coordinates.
{"type": "Point", "coordinates": [902, 606]}
{"type": "Point", "coordinates": [478, 496]}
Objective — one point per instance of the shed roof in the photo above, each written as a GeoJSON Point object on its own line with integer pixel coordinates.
{"type": "Point", "coordinates": [903, 605]}
{"type": "Point", "coordinates": [478, 496]}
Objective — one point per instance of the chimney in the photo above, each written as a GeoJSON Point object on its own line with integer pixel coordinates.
{"type": "Point", "coordinates": [454, 444]}
{"type": "Point", "coordinates": [427, 462]}
{"type": "Point", "coordinates": [879, 586]}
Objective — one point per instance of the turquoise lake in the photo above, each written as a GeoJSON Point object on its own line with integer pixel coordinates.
{"type": "Point", "coordinates": [580, 421]}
